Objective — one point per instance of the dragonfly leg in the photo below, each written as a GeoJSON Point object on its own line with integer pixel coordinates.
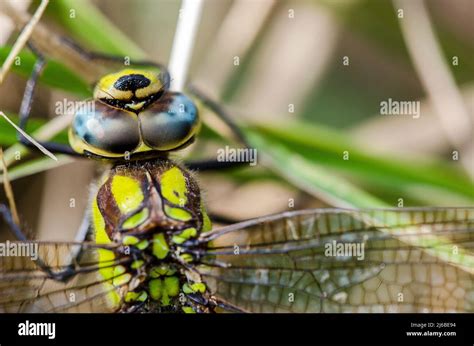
{"type": "Point", "coordinates": [64, 274]}
{"type": "Point", "coordinates": [197, 302]}
{"type": "Point", "coordinates": [25, 108]}
{"type": "Point", "coordinates": [212, 303]}
{"type": "Point", "coordinates": [214, 164]}
{"type": "Point", "coordinates": [222, 219]}
{"type": "Point", "coordinates": [12, 226]}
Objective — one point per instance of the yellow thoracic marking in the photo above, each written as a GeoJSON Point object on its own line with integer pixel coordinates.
{"type": "Point", "coordinates": [101, 236]}
{"type": "Point", "coordinates": [136, 296]}
{"type": "Point", "coordinates": [136, 219]}
{"type": "Point", "coordinates": [206, 221]}
{"type": "Point", "coordinates": [184, 235]}
{"type": "Point", "coordinates": [164, 289]}
{"type": "Point", "coordinates": [105, 87]}
{"type": "Point", "coordinates": [105, 256]}
{"type": "Point", "coordinates": [193, 288]}
{"type": "Point", "coordinates": [127, 193]}
{"type": "Point", "coordinates": [130, 240]}
{"type": "Point", "coordinates": [160, 247]}
{"type": "Point", "coordinates": [162, 270]}
{"type": "Point", "coordinates": [173, 186]}
{"type": "Point", "coordinates": [178, 213]}
{"type": "Point", "coordinates": [121, 277]}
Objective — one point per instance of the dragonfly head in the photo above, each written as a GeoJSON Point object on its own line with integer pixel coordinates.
{"type": "Point", "coordinates": [134, 117]}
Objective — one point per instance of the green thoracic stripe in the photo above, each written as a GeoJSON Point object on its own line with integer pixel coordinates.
{"type": "Point", "coordinates": [173, 186]}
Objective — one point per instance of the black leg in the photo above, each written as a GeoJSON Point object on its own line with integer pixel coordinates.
{"type": "Point", "coordinates": [214, 164]}
{"type": "Point", "coordinates": [14, 228]}
{"type": "Point", "coordinates": [213, 302]}
{"type": "Point", "coordinates": [63, 275]}
{"type": "Point", "coordinates": [221, 113]}
{"type": "Point", "coordinates": [25, 109]}
{"type": "Point", "coordinates": [222, 219]}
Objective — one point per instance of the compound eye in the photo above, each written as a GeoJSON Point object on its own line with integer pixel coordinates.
{"type": "Point", "coordinates": [170, 123]}
{"type": "Point", "coordinates": [104, 130]}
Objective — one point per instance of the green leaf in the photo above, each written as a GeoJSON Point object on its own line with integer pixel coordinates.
{"type": "Point", "coordinates": [8, 134]}
{"type": "Point", "coordinates": [36, 166]}
{"type": "Point", "coordinates": [85, 22]}
{"type": "Point", "coordinates": [310, 176]}
{"type": "Point", "coordinates": [325, 147]}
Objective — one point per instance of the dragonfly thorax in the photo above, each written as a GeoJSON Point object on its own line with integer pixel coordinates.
{"type": "Point", "coordinates": [149, 211]}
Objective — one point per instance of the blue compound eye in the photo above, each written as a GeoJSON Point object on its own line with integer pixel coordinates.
{"type": "Point", "coordinates": [170, 123]}
{"type": "Point", "coordinates": [104, 131]}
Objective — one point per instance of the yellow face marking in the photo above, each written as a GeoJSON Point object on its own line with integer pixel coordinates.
{"type": "Point", "coordinates": [127, 192]}
{"type": "Point", "coordinates": [173, 186]}
{"type": "Point", "coordinates": [105, 88]}
{"type": "Point", "coordinates": [153, 88]}
{"type": "Point", "coordinates": [137, 106]}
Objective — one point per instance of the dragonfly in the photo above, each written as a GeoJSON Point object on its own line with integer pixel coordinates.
{"type": "Point", "coordinates": [151, 246]}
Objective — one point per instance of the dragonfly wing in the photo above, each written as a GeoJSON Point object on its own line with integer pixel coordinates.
{"type": "Point", "coordinates": [413, 260]}
{"type": "Point", "coordinates": [26, 285]}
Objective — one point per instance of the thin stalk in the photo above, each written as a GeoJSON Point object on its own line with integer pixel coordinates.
{"type": "Point", "coordinates": [183, 43]}
{"type": "Point", "coordinates": [22, 39]}
{"type": "Point", "coordinates": [8, 189]}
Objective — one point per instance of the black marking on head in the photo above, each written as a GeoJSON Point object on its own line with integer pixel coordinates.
{"type": "Point", "coordinates": [131, 82]}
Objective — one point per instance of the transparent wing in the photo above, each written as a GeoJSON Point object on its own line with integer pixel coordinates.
{"type": "Point", "coordinates": [26, 283]}
{"type": "Point", "coordinates": [336, 260]}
